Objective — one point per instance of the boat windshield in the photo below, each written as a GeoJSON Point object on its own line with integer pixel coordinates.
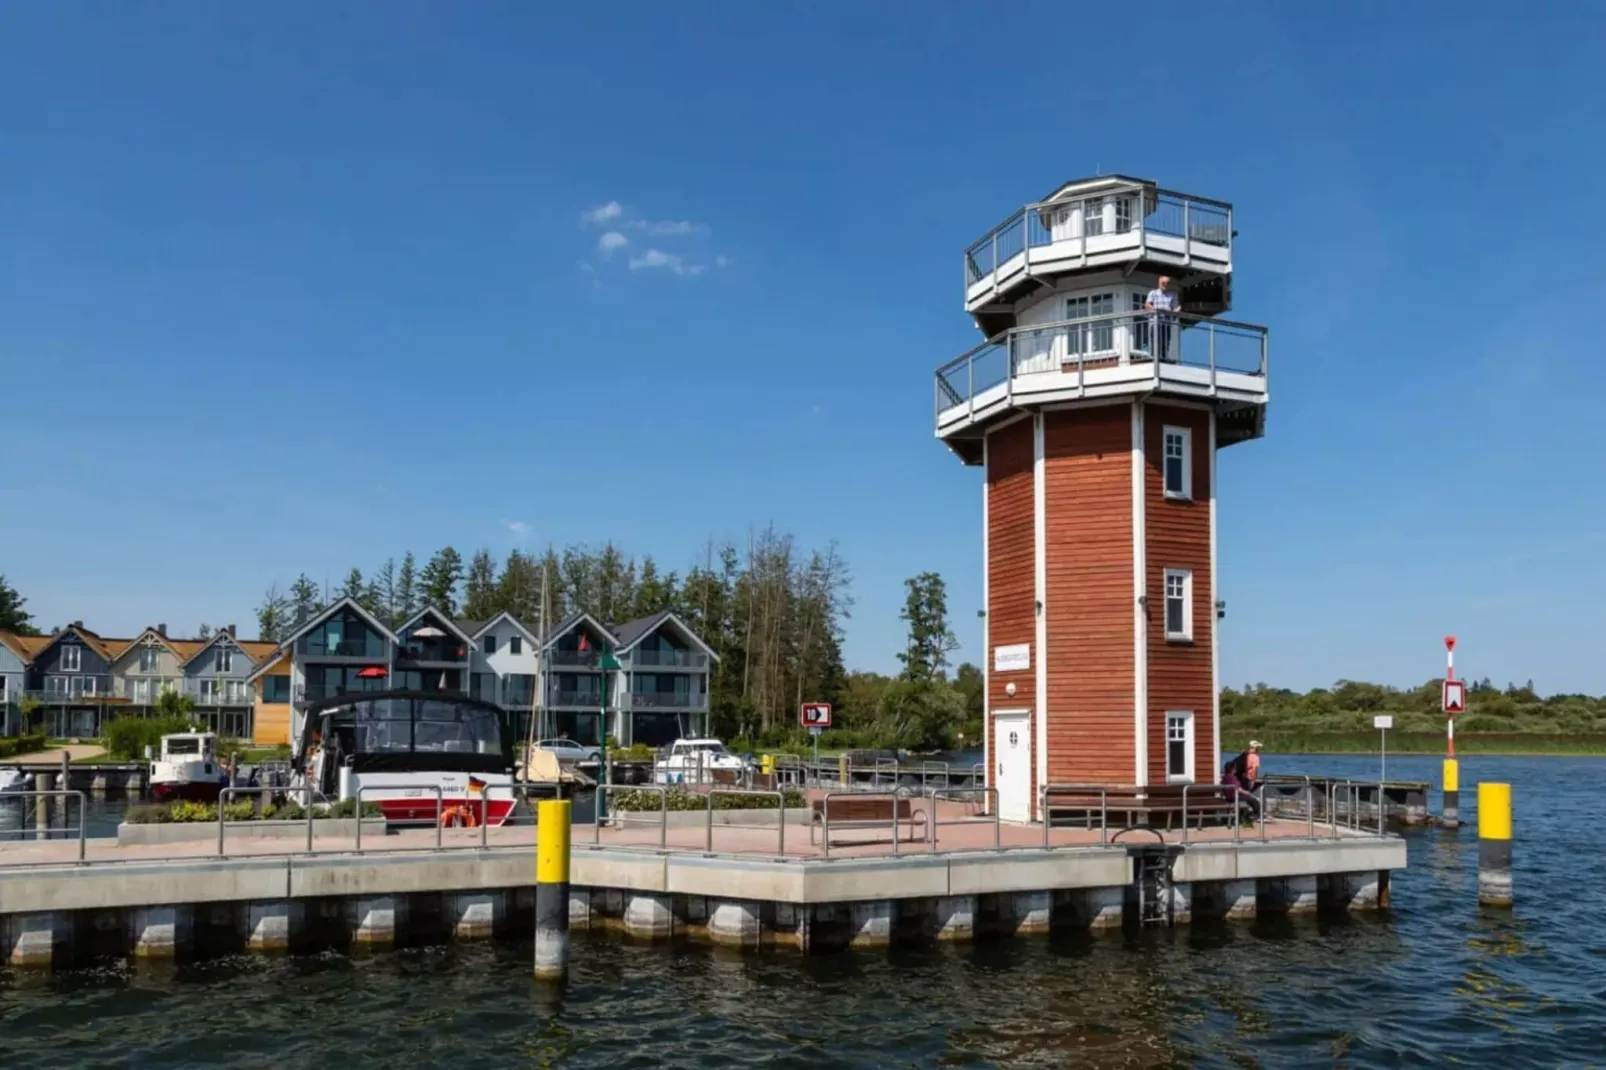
{"type": "Point", "coordinates": [413, 731]}
{"type": "Point", "coordinates": [182, 746]}
{"type": "Point", "coordinates": [702, 748]}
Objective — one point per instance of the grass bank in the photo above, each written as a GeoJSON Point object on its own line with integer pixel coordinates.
{"type": "Point", "coordinates": [1517, 743]}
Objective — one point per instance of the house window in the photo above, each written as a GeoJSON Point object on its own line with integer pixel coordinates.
{"type": "Point", "coordinates": [83, 685]}
{"type": "Point", "coordinates": [1123, 214]}
{"type": "Point", "coordinates": [236, 690]}
{"type": "Point", "coordinates": [276, 689]}
{"type": "Point", "coordinates": [1179, 745]}
{"type": "Point", "coordinates": [1090, 337]}
{"type": "Point", "coordinates": [147, 659]}
{"type": "Point", "coordinates": [515, 644]}
{"type": "Point", "coordinates": [71, 658]}
{"type": "Point", "coordinates": [209, 690]}
{"type": "Point", "coordinates": [142, 690]}
{"type": "Point", "coordinates": [490, 644]}
{"type": "Point", "coordinates": [55, 685]}
{"type": "Point", "coordinates": [1177, 470]}
{"type": "Point", "coordinates": [225, 659]}
{"type": "Point", "coordinates": [1179, 605]}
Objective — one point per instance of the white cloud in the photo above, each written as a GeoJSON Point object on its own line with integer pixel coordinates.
{"type": "Point", "coordinates": [605, 213]}
{"type": "Point", "coordinates": [519, 528]}
{"type": "Point", "coordinates": [723, 261]}
{"type": "Point", "coordinates": [611, 241]}
{"type": "Point", "coordinates": [667, 228]}
{"type": "Point", "coordinates": [657, 259]}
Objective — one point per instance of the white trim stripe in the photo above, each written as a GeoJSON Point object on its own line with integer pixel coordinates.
{"type": "Point", "coordinates": [1215, 621]}
{"type": "Point", "coordinates": [1040, 571]}
{"type": "Point", "coordinates": [1140, 639]}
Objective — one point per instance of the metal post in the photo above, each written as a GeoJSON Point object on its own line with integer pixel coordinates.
{"type": "Point", "coordinates": [1450, 816]}
{"type": "Point", "coordinates": [552, 890]}
{"type": "Point", "coordinates": [41, 806]}
{"type": "Point", "coordinates": [1494, 845]}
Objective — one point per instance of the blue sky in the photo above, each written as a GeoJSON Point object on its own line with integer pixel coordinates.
{"type": "Point", "coordinates": [294, 287]}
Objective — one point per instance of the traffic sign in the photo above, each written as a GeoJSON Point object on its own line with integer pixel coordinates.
{"type": "Point", "coordinates": [1455, 696]}
{"type": "Point", "coordinates": [1382, 721]}
{"type": "Point", "coordinates": [816, 715]}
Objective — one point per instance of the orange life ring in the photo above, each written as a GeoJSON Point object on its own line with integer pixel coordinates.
{"type": "Point", "coordinates": [459, 817]}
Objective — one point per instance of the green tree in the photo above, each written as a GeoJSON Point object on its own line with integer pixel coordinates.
{"type": "Point", "coordinates": [654, 593]}
{"type": "Point", "coordinates": [174, 704]}
{"type": "Point", "coordinates": [971, 686]}
{"type": "Point", "coordinates": [518, 589]}
{"type": "Point", "coordinates": [204, 631]}
{"type": "Point", "coordinates": [384, 593]}
{"type": "Point", "coordinates": [921, 714]}
{"type": "Point", "coordinates": [273, 616]}
{"type": "Point", "coordinates": [925, 611]}
{"type": "Point", "coordinates": [405, 603]}
{"type": "Point", "coordinates": [440, 580]}
{"type": "Point", "coordinates": [13, 618]}
{"type": "Point", "coordinates": [481, 599]}
{"type": "Point", "coordinates": [305, 601]}
{"type": "Point", "coordinates": [354, 588]}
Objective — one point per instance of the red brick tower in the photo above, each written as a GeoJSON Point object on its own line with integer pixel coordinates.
{"type": "Point", "coordinates": [1097, 422]}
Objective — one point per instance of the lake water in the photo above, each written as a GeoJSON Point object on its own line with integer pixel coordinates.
{"type": "Point", "coordinates": [1434, 981]}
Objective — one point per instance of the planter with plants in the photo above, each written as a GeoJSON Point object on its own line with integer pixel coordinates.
{"type": "Point", "coordinates": [688, 807]}
{"type": "Point", "coordinates": [181, 821]}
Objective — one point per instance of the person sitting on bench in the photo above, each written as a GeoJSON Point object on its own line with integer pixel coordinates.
{"type": "Point", "coordinates": [1241, 775]}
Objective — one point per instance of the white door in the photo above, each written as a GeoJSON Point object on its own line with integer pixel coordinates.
{"type": "Point", "coordinates": [1012, 765]}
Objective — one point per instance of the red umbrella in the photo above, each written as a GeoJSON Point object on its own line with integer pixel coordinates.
{"type": "Point", "coordinates": [585, 644]}
{"type": "Point", "coordinates": [372, 672]}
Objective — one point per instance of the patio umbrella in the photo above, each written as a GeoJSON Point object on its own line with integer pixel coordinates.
{"type": "Point", "coordinates": [428, 631]}
{"type": "Point", "coordinates": [372, 672]}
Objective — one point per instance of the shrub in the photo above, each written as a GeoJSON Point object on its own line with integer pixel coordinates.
{"type": "Point", "coordinates": [127, 737]}
{"type": "Point", "coordinates": [685, 799]}
{"type": "Point", "coordinates": [184, 811]}
{"type": "Point", "coordinates": [11, 748]}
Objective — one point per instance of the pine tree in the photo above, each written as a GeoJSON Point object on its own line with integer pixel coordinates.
{"type": "Point", "coordinates": [653, 592]}
{"type": "Point", "coordinates": [305, 601]}
{"type": "Point", "coordinates": [440, 580]}
{"type": "Point", "coordinates": [204, 631]}
{"type": "Point", "coordinates": [405, 604]}
{"type": "Point", "coordinates": [13, 618]}
{"type": "Point", "coordinates": [518, 590]}
{"type": "Point", "coordinates": [353, 588]}
{"type": "Point", "coordinates": [384, 593]}
{"type": "Point", "coordinates": [481, 599]}
{"type": "Point", "coordinates": [273, 616]}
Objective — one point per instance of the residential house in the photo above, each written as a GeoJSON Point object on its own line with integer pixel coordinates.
{"type": "Point", "coordinates": [271, 682]}
{"type": "Point", "coordinates": [340, 650]}
{"type": "Point", "coordinates": [145, 667]}
{"type": "Point", "coordinates": [70, 673]}
{"type": "Point", "coordinates": [216, 678]}
{"type": "Point", "coordinates": [432, 654]}
{"type": "Point", "coordinates": [14, 658]}
{"type": "Point", "coordinates": [664, 670]}
{"type": "Point", "coordinates": [504, 667]}
{"type": "Point", "coordinates": [575, 680]}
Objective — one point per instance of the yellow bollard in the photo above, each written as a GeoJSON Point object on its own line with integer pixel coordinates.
{"type": "Point", "coordinates": [767, 764]}
{"type": "Point", "coordinates": [552, 889]}
{"type": "Point", "coordinates": [1450, 815]}
{"type": "Point", "coordinates": [1494, 845]}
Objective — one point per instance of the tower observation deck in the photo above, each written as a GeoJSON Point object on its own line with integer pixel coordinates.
{"type": "Point", "coordinates": [1109, 379]}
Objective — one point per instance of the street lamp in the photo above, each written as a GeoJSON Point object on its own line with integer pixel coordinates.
{"type": "Point", "coordinates": [606, 664]}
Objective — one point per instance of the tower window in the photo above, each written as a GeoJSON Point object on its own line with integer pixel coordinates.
{"type": "Point", "coordinates": [1177, 466]}
{"type": "Point", "coordinates": [1093, 216]}
{"type": "Point", "coordinates": [1179, 605]}
{"type": "Point", "coordinates": [1179, 745]}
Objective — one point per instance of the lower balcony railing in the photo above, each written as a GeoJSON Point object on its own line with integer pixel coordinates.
{"type": "Point", "coordinates": [661, 700]}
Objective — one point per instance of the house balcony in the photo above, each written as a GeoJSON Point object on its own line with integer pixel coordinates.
{"type": "Point", "coordinates": [372, 648]}
{"type": "Point", "coordinates": [1116, 223]}
{"type": "Point", "coordinates": [668, 659]}
{"type": "Point", "coordinates": [520, 696]}
{"type": "Point", "coordinates": [79, 689]}
{"type": "Point", "coordinates": [668, 701]}
{"type": "Point", "coordinates": [1129, 354]}
{"type": "Point", "coordinates": [574, 659]}
{"type": "Point", "coordinates": [574, 700]}
{"type": "Point", "coordinates": [210, 693]}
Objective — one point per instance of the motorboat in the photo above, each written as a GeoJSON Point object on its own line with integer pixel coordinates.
{"type": "Point", "coordinates": [186, 767]}
{"type": "Point", "coordinates": [698, 761]}
{"type": "Point", "coordinates": [422, 756]}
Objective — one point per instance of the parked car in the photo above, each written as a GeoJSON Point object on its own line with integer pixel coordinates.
{"type": "Point", "coordinates": [567, 750]}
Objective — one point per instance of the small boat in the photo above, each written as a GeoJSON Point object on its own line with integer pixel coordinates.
{"type": "Point", "coordinates": [187, 768]}
{"type": "Point", "coordinates": [13, 804]}
{"type": "Point", "coordinates": [697, 761]}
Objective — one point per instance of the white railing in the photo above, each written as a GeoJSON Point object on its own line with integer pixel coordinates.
{"type": "Point", "coordinates": [1121, 338]}
{"type": "Point", "coordinates": [1139, 212]}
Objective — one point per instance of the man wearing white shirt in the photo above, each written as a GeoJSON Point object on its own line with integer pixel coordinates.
{"type": "Point", "coordinates": [1162, 301]}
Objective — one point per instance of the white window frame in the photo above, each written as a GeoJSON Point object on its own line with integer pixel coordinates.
{"type": "Point", "coordinates": [235, 690]}
{"type": "Point", "coordinates": [147, 659]}
{"type": "Point", "coordinates": [142, 690]}
{"type": "Point", "coordinates": [1184, 578]}
{"type": "Point", "coordinates": [1184, 718]}
{"type": "Point", "coordinates": [210, 689]}
{"type": "Point", "coordinates": [225, 659]}
{"type": "Point", "coordinates": [72, 658]}
{"type": "Point", "coordinates": [1183, 437]}
{"type": "Point", "coordinates": [1093, 217]}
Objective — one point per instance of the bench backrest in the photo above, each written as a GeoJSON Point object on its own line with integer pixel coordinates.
{"type": "Point", "coordinates": [869, 808]}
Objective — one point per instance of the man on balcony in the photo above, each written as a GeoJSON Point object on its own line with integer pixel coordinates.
{"type": "Point", "coordinates": [1162, 302]}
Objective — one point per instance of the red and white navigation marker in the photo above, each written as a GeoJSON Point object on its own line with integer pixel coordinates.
{"type": "Point", "coordinates": [1455, 694]}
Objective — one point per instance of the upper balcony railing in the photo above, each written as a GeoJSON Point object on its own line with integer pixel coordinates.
{"type": "Point", "coordinates": [671, 659]}
{"type": "Point", "coordinates": [1141, 344]}
{"type": "Point", "coordinates": [583, 659]}
{"type": "Point", "coordinates": [371, 646]}
{"type": "Point", "coordinates": [1134, 218]}
{"type": "Point", "coordinates": [668, 700]}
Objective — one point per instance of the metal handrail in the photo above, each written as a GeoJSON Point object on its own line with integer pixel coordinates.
{"type": "Point", "coordinates": [987, 794]}
{"type": "Point", "coordinates": [222, 806]}
{"type": "Point", "coordinates": [618, 815]}
{"type": "Point", "coordinates": [59, 793]}
{"type": "Point", "coordinates": [1221, 789]}
{"type": "Point", "coordinates": [825, 814]}
{"type": "Point", "coordinates": [779, 796]}
{"type": "Point", "coordinates": [440, 809]}
{"type": "Point", "coordinates": [1048, 790]}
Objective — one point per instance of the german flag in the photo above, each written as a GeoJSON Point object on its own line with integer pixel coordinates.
{"type": "Point", "coordinates": [476, 786]}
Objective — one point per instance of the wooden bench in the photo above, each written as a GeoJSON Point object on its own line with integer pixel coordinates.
{"type": "Point", "coordinates": [866, 811]}
{"type": "Point", "coordinates": [1158, 805]}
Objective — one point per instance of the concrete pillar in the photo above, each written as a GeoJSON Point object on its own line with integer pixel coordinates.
{"type": "Point", "coordinates": [267, 926]}
{"type": "Point", "coordinates": [1286, 895]}
{"type": "Point", "coordinates": [579, 908]}
{"type": "Point", "coordinates": [1181, 903]}
{"type": "Point", "coordinates": [1027, 912]}
{"type": "Point", "coordinates": [735, 923]}
{"type": "Point", "coordinates": [793, 925]}
{"type": "Point", "coordinates": [955, 917]}
{"type": "Point", "coordinates": [870, 923]}
{"type": "Point", "coordinates": [32, 939]}
{"type": "Point", "coordinates": [373, 921]}
{"type": "Point", "coordinates": [474, 915]}
{"type": "Point", "coordinates": [1088, 908]}
{"type": "Point", "coordinates": [1349, 891]}
{"type": "Point", "coordinates": [648, 916]}
{"type": "Point", "coordinates": [158, 931]}
{"type": "Point", "coordinates": [1233, 900]}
